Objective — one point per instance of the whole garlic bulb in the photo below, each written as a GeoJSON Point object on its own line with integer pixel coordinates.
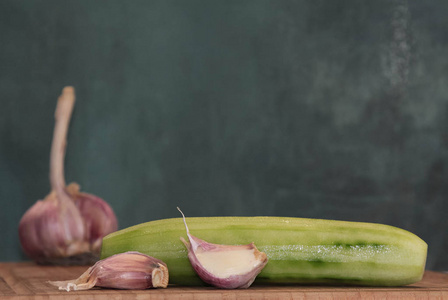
{"type": "Point", "coordinates": [67, 226]}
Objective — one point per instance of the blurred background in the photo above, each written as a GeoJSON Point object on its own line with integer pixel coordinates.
{"type": "Point", "coordinates": [319, 109]}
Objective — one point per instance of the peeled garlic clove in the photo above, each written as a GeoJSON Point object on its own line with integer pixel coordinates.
{"type": "Point", "coordinates": [99, 218]}
{"type": "Point", "coordinates": [129, 270]}
{"type": "Point", "coordinates": [224, 266]}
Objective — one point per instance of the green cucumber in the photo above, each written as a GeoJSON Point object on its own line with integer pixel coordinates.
{"type": "Point", "coordinates": [299, 250]}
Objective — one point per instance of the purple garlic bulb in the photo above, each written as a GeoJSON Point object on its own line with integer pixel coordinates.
{"type": "Point", "coordinates": [67, 226]}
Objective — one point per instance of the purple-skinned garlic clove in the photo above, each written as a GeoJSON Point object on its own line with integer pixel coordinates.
{"type": "Point", "coordinates": [129, 270]}
{"type": "Point", "coordinates": [99, 218]}
{"type": "Point", "coordinates": [224, 266]}
{"type": "Point", "coordinates": [52, 229]}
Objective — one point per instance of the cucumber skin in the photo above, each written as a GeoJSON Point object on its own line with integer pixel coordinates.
{"type": "Point", "coordinates": [300, 251]}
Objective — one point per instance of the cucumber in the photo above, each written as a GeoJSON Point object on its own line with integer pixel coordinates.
{"type": "Point", "coordinates": [300, 251]}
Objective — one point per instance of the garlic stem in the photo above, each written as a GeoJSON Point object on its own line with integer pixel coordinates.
{"type": "Point", "coordinates": [62, 116]}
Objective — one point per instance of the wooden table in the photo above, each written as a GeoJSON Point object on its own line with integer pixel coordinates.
{"type": "Point", "coordinates": [28, 281]}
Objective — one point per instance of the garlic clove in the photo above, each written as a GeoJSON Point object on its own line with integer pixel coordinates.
{"type": "Point", "coordinates": [128, 270]}
{"type": "Point", "coordinates": [52, 228]}
{"type": "Point", "coordinates": [98, 216]}
{"type": "Point", "coordinates": [224, 266]}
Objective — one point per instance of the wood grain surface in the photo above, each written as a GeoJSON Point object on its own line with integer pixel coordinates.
{"type": "Point", "coordinates": [28, 281]}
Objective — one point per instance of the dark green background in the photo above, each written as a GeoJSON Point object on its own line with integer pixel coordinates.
{"type": "Point", "coordinates": [323, 109]}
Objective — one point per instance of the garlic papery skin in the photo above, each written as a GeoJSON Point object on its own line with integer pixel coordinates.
{"type": "Point", "coordinates": [129, 270]}
{"type": "Point", "coordinates": [224, 266]}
